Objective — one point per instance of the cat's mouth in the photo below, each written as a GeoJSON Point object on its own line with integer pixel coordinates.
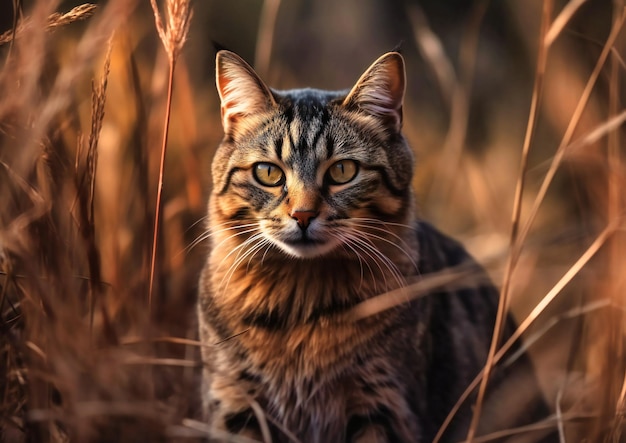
{"type": "Point", "coordinates": [304, 241]}
{"type": "Point", "coordinates": [305, 246]}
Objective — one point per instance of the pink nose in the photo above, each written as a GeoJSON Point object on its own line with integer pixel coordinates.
{"type": "Point", "coordinates": [303, 217]}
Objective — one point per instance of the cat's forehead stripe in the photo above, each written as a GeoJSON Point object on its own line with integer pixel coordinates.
{"type": "Point", "coordinates": [308, 128]}
{"type": "Point", "coordinates": [278, 148]}
{"type": "Point", "coordinates": [330, 146]}
{"type": "Point", "coordinates": [321, 129]}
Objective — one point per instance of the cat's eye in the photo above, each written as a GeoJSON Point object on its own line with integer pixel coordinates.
{"type": "Point", "coordinates": [342, 172]}
{"type": "Point", "coordinates": [268, 174]}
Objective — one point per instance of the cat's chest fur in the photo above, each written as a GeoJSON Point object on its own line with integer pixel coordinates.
{"type": "Point", "coordinates": [296, 313]}
{"type": "Point", "coordinates": [302, 357]}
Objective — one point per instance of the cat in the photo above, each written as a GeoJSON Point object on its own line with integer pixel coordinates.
{"type": "Point", "coordinates": [312, 213]}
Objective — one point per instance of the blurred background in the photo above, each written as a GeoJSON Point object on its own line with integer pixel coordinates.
{"type": "Point", "coordinates": [88, 354]}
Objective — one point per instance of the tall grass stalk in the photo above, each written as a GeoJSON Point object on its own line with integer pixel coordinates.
{"type": "Point", "coordinates": [569, 133]}
{"type": "Point", "coordinates": [55, 20]}
{"type": "Point", "coordinates": [173, 36]}
{"type": "Point", "coordinates": [582, 261]}
{"type": "Point", "coordinates": [614, 404]}
{"type": "Point", "coordinates": [503, 304]}
{"type": "Point", "coordinates": [88, 221]}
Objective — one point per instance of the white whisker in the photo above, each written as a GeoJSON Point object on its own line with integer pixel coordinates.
{"type": "Point", "coordinates": [371, 253]}
{"type": "Point", "coordinates": [237, 248]}
{"type": "Point", "coordinates": [384, 223]}
{"type": "Point", "coordinates": [345, 245]}
{"type": "Point", "coordinates": [379, 257]}
{"type": "Point", "coordinates": [269, 246]}
{"type": "Point", "coordinates": [236, 234]}
{"type": "Point", "coordinates": [213, 231]}
{"type": "Point", "coordinates": [386, 240]}
{"type": "Point", "coordinates": [256, 248]}
{"type": "Point", "coordinates": [252, 244]}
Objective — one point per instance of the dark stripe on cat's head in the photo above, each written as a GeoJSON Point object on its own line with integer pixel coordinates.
{"type": "Point", "coordinates": [330, 146]}
{"type": "Point", "coordinates": [241, 214]}
{"type": "Point", "coordinates": [278, 147]}
{"type": "Point", "coordinates": [229, 177]}
{"type": "Point", "coordinates": [384, 174]}
{"type": "Point", "coordinates": [324, 119]}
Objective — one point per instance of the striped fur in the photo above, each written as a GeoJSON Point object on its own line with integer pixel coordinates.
{"type": "Point", "coordinates": [287, 261]}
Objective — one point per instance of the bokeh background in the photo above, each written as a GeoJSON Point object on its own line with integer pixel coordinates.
{"type": "Point", "coordinates": [86, 353]}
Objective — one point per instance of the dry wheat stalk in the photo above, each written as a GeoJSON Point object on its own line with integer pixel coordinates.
{"type": "Point", "coordinates": [503, 303]}
{"type": "Point", "coordinates": [173, 36]}
{"type": "Point", "coordinates": [582, 261]}
{"type": "Point", "coordinates": [174, 33]}
{"type": "Point", "coordinates": [461, 276]}
{"type": "Point", "coordinates": [114, 14]}
{"type": "Point", "coordinates": [98, 100]}
{"type": "Point", "coordinates": [55, 20]}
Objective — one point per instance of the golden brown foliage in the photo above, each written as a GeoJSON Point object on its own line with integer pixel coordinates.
{"type": "Point", "coordinates": [83, 355]}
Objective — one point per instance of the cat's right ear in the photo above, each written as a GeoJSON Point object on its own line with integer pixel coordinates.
{"type": "Point", "coordinates": [242, 93]}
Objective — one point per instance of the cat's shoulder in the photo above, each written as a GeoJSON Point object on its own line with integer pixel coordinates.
{"type": "Point", "coordinates": [438, 251]}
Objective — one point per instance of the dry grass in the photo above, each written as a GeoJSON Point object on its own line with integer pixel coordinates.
{"type": "Point", "coordinates": [97, 279]}
{"type": "Point", "coordinates": [55, 20]}
{"type": "Point", "coordinates": [173, 36]}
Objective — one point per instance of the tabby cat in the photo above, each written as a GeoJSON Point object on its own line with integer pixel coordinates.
{"type": "Point", "coordinates": [312, 213]}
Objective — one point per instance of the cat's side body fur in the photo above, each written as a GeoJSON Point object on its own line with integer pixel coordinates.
{"type": "Point", "coordinates": [278, 286]}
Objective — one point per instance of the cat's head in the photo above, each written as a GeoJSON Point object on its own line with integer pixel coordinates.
{"type": "Point", "coordinates": [310, 172]}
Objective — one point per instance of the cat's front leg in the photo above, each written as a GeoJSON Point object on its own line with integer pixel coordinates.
{"type": "Point", "coordinates": [377, 406]}
{"type": "Point", "coordinates": [384, 426]}
{"type": "Point", "coordinates": [227, 406]}
{"type": "Point", "coordinates": [242, 423]}
{"type": "Point", "coordinates": [370, 434]}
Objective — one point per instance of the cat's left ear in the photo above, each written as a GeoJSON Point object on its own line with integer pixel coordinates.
{"type": "Point", "coordinates": [380, 90]}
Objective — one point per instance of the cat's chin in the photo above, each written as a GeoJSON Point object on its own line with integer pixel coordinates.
{"type": "Point", "coordinates": [306, 250]}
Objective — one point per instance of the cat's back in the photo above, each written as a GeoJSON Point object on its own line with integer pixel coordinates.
{"type": "Point", "coordinates": [463, 313]}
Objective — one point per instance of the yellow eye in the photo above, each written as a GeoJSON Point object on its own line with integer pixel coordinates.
{"type": "Point", "coordinates": [342, 171]}
{"type": "Point", "coordinates": [268, 174]}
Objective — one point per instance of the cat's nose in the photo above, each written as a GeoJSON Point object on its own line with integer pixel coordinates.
{"type": "Point", "coordinates": [303, 217]}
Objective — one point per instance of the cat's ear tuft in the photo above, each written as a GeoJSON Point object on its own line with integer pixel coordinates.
{"type": "Point", "coordinates": [380, 90]}
{"type": "Point", "coordinates": [242, 93]}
